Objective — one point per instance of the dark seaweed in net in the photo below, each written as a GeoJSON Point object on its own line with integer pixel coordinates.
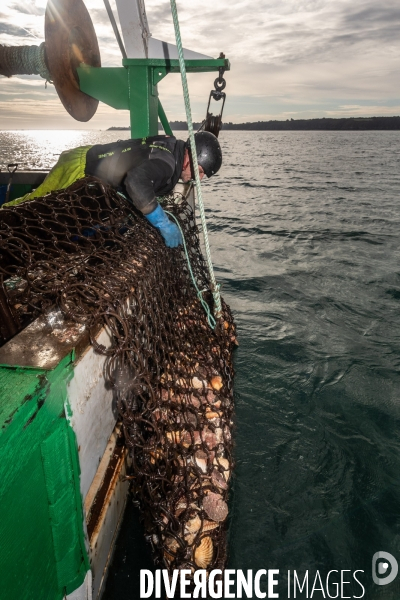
{"type": "Point", "coordinates": [86, 250]}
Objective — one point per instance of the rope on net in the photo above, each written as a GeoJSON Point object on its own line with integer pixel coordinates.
{"type": "Point", "coordinates": [215, 287]}
{"type": "Point", "coordinates": [210, 318]}
{"type": "Point", "coordinates": [24, 60]}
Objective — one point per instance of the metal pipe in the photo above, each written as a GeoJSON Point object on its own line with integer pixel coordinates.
{"type": "Point", "coordinates": [163, 119]}
{"type": "Point", "coordinates": [115, 28]}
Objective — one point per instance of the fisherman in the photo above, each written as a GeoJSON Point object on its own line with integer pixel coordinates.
{"type": "Point", "coordinates": [141, 169]}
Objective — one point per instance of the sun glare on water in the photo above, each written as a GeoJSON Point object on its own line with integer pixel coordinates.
{"type": "Point", "coordinates": [39, 149]}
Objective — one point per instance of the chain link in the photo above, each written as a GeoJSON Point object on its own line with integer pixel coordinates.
{"type": "Point", "coordinates": [213, 123]}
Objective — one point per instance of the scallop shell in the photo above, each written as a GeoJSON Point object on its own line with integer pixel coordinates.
{"type": "Point", "coordinates": [201, 454]}
{"type": "Point", "coordinates": [204, 553]}
{"type": "Point", "coordinates": [165, 394]}
{"type": "Point", "coordinates": [190, 418]}
{"type": "Point", "coordinates": [193, 525]}
{"type": "Point", "coordinates": [219, 480]}
{"type": "Point", "coordinates": [209, 438]}
{"type": "Point", "coordinates": [227, 433]}
{"type": "Point", "coordinates": [209, 526]}
{"type": "Point", "coordinates": [189, 538]}
{"type": "Point", "coordinates": [219, 437]}
{"type": "Point", "coordinates": [215, 507]}
{"type": "Point", "coordinates": [211, 414]}
{"type": "Point", "coordinates": [201, 463]}
{"type": "Point", "coordinates": [165, 377]}
{"type": "Point", "coordinates": [159, 415]}
{"type": "Point", "coordinates": [224, 463]}
{"type": "Point", "coordinates": [171, 544]}
{"type": "Point", "coordinates": [211, 397]}
{"type": "Point", "coordinates": [198, 384]}
{"type": "Point", "coordinates": [155, 455]}
{"type": "Point", "coordinates": [181, 506]}
{"type": "Point", "coordinates": [173, 436]}
{"type": "Point", "coordinates": [216, 383]}
{"type": "Point", "coordinates": [205, 436]}
{"type": "Point", "coordinates": [194, 401]}
{"type": "Point", "coordinates": [187, 438]}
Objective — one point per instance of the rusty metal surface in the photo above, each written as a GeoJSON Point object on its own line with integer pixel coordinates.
{"type": "Point", "coordinates": [70, 41]}
{"type": "Point", "coordinates": [41, 345]}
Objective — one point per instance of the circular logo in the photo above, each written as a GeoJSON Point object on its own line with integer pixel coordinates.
{"type": "Point", "coordinates": [384, 568]}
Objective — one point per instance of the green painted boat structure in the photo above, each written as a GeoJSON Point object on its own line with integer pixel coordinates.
{"type": "Point", "coordinates": [63, 491]}
{"type": "Point", "coordinates": [133, 87]}
{"type": "Point", "coordinates": [44, 554]}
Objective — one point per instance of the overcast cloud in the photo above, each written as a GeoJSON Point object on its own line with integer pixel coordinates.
{"type": "Point", "coordinates": [291, 59]}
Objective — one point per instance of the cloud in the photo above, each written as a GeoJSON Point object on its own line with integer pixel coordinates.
{"type": "Point", "coordinates": [290, 31]}
{"type": "Point", "coordinates": [159, 14]}
{"type": "Point", "coordinates": [13, 30]}
{"type": "Point", "coordinates": [362, 110]}
{"type": "Point", "coordinates": [292, 58]}
{"type": "Point", "coordinates": [100, 16]}
{"type": "Point", "coordinates": [372, 14]}
{"type": "Point", "coordinates": [28, 8]}
{"type": "Point", "coordinates": [19, 83]}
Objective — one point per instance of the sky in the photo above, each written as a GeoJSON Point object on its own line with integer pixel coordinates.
{"type": "Point", "coordinates": [289, 59]}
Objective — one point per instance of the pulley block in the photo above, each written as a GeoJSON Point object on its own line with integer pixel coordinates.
{"type": "Point", "coordinates": [213, 123]}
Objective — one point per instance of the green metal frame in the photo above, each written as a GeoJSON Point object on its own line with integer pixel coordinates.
{"type": "Point", "coordinates": [133, 87]}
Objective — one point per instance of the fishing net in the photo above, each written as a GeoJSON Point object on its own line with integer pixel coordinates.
{"type": "Point", "coordinates": [86, 251]}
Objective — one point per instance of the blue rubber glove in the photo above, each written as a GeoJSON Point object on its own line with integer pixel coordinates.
{"type": "Point", "coordinates": [169, 231]}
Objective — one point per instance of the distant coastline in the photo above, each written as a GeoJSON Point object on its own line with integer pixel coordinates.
{"type": "Point", "coordinates": [324, 124]}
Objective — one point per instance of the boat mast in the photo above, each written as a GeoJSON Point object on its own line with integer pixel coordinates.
{"type": "Point", "coordinates": [135, 28]}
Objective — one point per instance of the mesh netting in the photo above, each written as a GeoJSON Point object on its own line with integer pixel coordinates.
{"type": "Point", "coordinates": [86, 251]}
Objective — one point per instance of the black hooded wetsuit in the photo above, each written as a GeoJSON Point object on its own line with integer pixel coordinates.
{"type": "Point", "coordinates": [143, 169]}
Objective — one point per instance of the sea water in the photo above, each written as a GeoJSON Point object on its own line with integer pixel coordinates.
{"type": "Point", "coordinates": [304, 232]}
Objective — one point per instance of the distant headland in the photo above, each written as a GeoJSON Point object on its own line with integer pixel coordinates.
{"type": "Point", "coordinates": [324, 124]}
